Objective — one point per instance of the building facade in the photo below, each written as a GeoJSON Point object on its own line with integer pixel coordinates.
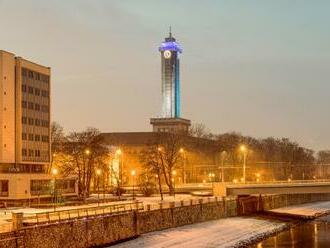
{"type": "Point", "coordinates": [25, 89]}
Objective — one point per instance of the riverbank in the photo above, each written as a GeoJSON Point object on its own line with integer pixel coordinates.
{"type": "Point", "coordinates": [227, 232]}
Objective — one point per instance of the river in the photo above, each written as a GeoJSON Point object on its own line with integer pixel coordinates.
{"type": "Point", "coordinates": [309, 234]}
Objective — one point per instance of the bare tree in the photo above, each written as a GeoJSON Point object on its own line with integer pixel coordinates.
{"type": "Point", "coordinates": [83, 152]}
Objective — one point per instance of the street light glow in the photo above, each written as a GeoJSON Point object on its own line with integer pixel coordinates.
{"type": "Point", "coordinates": [181, 150]}
{"type": "Point", "coordinates": [87, 151]}
{"type": "Point", "coordinates": [98, 172]}
{"type": "Point", "coordinates": [54, 171]}
{"type": "Point", "coordinates": [133, 173]}
{"type": "Point", "coordinates": [174, 173]}
{"type": "Point", "coordinates": [243, 148]}
{"type": "Point", "coordinates": [118, 151]}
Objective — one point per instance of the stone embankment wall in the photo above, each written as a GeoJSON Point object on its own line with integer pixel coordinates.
{"type": "Point", "coordinates": [103, 230]}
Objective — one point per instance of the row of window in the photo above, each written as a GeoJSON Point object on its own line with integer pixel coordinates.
{"type": "Point", "coordinates": [36, 122]}
{"type": "Point", "coordinates": [35, 106]}
{"type": "Point", "coordinates": [35, 137]}
{"type": "Point", "coordinates": [30, 153]}
{"type": "Point", "coordinates": [35, 75]}
{"type": "Point", "coordinates": [34, 91]}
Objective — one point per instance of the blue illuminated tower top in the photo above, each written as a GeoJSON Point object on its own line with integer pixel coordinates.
{"type": "Point", "coordinates": [170, 65]}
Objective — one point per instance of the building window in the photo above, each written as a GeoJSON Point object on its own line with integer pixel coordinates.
{"type": "Point", "coordinates": [37, 153]}
{"type": "Point", "coordinates": [37, 107]}
{"type": "Point", "coordinates": [4, 187]}
{"type": "Point", "coordinates": [44, 108]}
{"type": "Point", "coordinates": [24, 72]}
{"type": "Point", "coordinates": [37, 137]}
{"type": "Point", "coordinates": [37, 122]}
{"type": "Point", "coordinates": [31, 121]}
{"type": "Point", "coordinates": [31, 105]}
{"type": "Point", "coordinates": [31, 91]}
{"type": "Point", "coordinates": [45, 138]}
{"type": "Point", "coordinates": [31, 153]}
{"type": "Point", "coordinates": [24, 104]}
{"type": "Point", "coordinates": [31, 74]}
{"type": "Point", "coordinates": [24, 136]}
{"type": "Point", "coordinates": [37, 92]}
{"type": "Point", "coordinates": [24, 152]}
{"type": "Point", "coordinates": [23, 87]}
{"type": "Point", "coordinates": [31, 136]}
{"type": "Point", "coordinates": [24, 120]}
{"type": "Point", "coordinates": [44, 93]}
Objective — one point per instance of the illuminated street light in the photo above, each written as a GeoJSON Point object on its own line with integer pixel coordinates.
{"type": "Point", "coordinates": [87, 152]}
{"type": "Point", "coordinates": [133, 173]}
{"type": "Point", "coordinates": [235, 181]}
{"type": "Point", "coordinates": [118, 152]}
{"type": "Point", "coordinates": [98, 174]}
{"type": "Point", "coordinates": [173, 181]}
{"type": "Point", "coordinates": [211, 177]}
{"type": "Point", "coordinates": [183, 153]}
{"type": "Point", "coordinates": [244, 150]}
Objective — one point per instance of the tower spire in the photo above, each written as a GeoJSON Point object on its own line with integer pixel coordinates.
{"type": "Point", "coordinates": [170, 32]}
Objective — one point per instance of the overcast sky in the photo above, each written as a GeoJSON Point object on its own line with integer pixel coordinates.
{"type": "Point", "coordinates": [257, 67]}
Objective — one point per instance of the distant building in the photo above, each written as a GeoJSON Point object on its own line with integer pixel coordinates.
{"type": "Point", "coordinates": [170, 120]}
{"type": "Point", "coordinates": [25, 129]}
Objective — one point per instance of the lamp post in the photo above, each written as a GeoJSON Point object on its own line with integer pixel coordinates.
{"type": "Point", "coordinates": [244, 150]}
{"type": "Point", "coordinates": [98, 174]}
{"type": "Point", "coordinates": [54, 173]}
{"type": "Point", "coordinates": [173, 181]}
{"type": "Point", "coordinates": [223, 155]}
{"type": "Point", "coordinates": [211, 178]}
{"type": "Point", "coordinates": [119, 153]}
{"type": "Point", "coordinates": [183, 153]}
{"type": "Point", "coordinates": [133, 173]}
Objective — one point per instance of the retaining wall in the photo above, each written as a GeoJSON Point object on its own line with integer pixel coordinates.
{"type": "Point", "coordinates": [102, 230]}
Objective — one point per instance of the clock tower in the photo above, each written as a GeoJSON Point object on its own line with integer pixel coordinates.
{"type": "Point", "coordinates": [170, 120]}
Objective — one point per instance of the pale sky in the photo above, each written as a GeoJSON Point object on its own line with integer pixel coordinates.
{"type": "Point", "coordinates": [257, 67]}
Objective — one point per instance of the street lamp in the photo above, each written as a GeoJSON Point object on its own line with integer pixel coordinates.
{"type": "Point", "coordinates": [133, 173]}
{"type": "Point", "coordinates": [211, 178]}
{"type": "Point", "coordinates": [223, 155]}
{"type": "Point", "coordinates": [98, 174]}
{"type": "Point", "coordinates": [183, 152]}
{"type": "Point", "coordinates": [244, 150]}
{"type": "Point", "coordinates": [54, 173]}
{"type": "Point", "coordinates": [173, 181]}
{"type": "Point", "coordinates": [87, 152]}
{"type": "Point", "coordinates": [119, 153]}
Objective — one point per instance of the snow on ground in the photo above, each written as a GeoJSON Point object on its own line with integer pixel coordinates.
{"type": "Point", "coordinates": [228, 232]}
{"type": "Point", "coordinates": [313, 209]}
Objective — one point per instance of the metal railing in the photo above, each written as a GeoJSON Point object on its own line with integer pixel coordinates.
{"type": "Point", "coordinates": [71, 214]}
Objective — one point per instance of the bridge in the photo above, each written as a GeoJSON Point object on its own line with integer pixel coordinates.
{"type": "Point", "coordinates": [278, 187]}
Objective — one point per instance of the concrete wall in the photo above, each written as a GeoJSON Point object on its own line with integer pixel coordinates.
{"type": "Point", "coordinates": [97, 231]}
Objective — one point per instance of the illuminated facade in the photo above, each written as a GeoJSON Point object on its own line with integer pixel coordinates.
{"type": "Point", "coordinates": [170, 120]}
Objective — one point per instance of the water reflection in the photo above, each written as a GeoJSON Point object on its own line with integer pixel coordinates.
{"type": "Point", "coordinates": [313, 234]}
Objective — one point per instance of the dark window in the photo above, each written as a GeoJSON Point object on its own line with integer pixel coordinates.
{"type": "Point", "coordinates": [24, 152]}
{"type": "Point", "coordinates": [31, 90]}
{"type": "Point", "coordinates": [31, 121]}
{"type": "Point", "coordinates": [37, 107]}
{"type": "Point", "coordinates": [37, 153]}
{"type": "Point", "coordinates": [24, 120]}
{"type": "Point", "coordinates": [23, 87]}
{"type": "Point", "coordinates": [24, 104]}
{"type": "Point", "coordinates": [37, 137]}
{"type": "Point", "coordinates": [37, 92]}
{"type": "Point", "coordinates": [31, 136]}
{"type": "Point", "coordinates": [37, 76]}
{"type": "Point", "coordinates": [30, 74]}
{"type": "Point", "coordinates": [31, 105]}
{"type": "Point", "coordinates": [44, 108]}
{"type": "Point", "coordinates": [24, 136]}
{"type": "Point", "coordinates": [24, 72]}
{"type": "Point", "coordinates": [44, 93]}
{"type": "Point", "coordinates": [37, 122]}
{"type": "Point", "coordinates": [45, 138]}
{"type": "Point", "coordinates": [31, 153]}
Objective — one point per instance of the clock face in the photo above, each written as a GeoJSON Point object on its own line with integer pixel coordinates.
{"type": "Point", "coordinates": [167, 54]}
